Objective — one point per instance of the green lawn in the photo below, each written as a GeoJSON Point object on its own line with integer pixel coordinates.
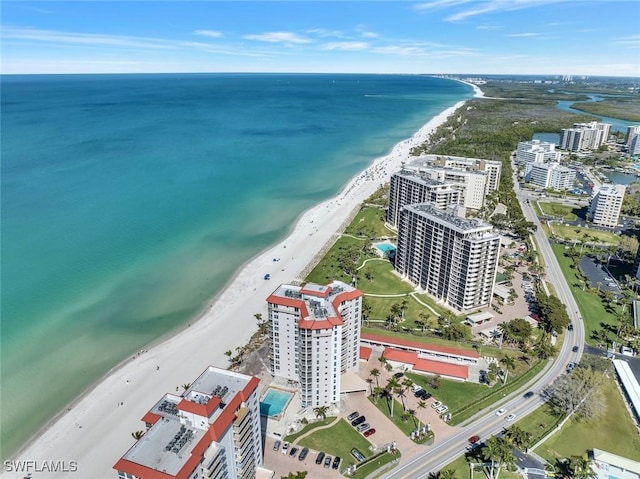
{"type": "Point", "coordinates": [590, 304]}
{"type": "Point", "coordinates": [569, 213]}
{"type": "Point", "coordinates": [309, 427]}
{"type": "Point", "coordinates": [407, 427]}
{"type": "Point", "coordinates": [328, 268]}
{"type": "Point", "coordinates": [455, 394]}
{"type": "Point", "coordinates": [338, 440]}
{"type": "Point", "coordinates": [539, 422]}
{"type": "Point", "coordinates": [369, 222]}
{"type": "Point", "coordinates": [423, 339]}
{"type": "Point", "coordinates": [613, 432]}
{"type": "Point", "coordinates": [569, 233]}
{"type": "Point", "coordinates": [376, 464]}
{"type": "Point", "coordinates": [384, 281]}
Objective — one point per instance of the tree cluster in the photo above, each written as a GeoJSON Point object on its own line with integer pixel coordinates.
{"type": "Point", "coordinates": [580, 393]}
{"type": "Point", "coordinates": [553, 313]}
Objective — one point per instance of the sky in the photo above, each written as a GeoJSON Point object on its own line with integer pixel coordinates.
{"type": "Point", "coordinates": [532, 37]}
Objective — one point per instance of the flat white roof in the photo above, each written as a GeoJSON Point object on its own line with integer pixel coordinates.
{"type": "Point", "coordinates": [480, 317]}
{"type": "Point", "coordinates": [629, 382]}
{"type": "Point", "coordinates": [615, 460]}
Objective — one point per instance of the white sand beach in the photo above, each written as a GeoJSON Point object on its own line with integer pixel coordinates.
{"type": "Point", "coordinates": [97, 429]}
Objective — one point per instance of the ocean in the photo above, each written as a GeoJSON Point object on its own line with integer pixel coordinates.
{"type": "Point", "coordinates": [129, 201]}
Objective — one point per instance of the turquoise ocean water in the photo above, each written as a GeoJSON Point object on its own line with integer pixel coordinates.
{"type": "Point", "coordinates": [128, 201]}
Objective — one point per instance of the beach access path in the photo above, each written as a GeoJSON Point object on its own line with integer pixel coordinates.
{"type": "Point", "coordinates": [97, 428]}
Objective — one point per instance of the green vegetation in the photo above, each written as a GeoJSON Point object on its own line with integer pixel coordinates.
{"type": "Point", "coordinates": [577, 233]}
{"type": "Point", "coordinates": [309, 427]}
{"type": "Point", "coordinates": [382, 280]}
{"type": "Point", "coordinates": [423, 339]}
{"type": "Point", "coordinates": [369, 223]}
{"type": "Point", "coordinates": [569, 213]}
{"type": "Point", "coordinates": [338, 440]}
{"type": "Point", "coordinates": [375, 462]}
{"type": "Point", "coordinates": [475, 397]}
{"type": "Point", "coordinates": [589, 302]}
{"type": "Point", "coordinates": [383, 404]}
{"type": "Point", "coordinates": [613, 432]}
{"type": "Point", "coordinates": [623, 108]}
{"type": "Point", "coordinates": [341, 261]}
{"type": "Point", "coordinates": [539, 423]}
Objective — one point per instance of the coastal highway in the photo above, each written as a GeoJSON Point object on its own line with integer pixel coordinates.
{"type": "Point", "coordinates": [437, 457]}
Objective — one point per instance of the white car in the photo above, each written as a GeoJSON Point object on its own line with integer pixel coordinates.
{"type": "Point", "coordinates": [510, 417]}
{"type": "Point", "coordinates": [363, 427]}
{"type": "Point", "coordinates": [285, 448]}
{"type": "Point", "coordinates": [442, 409]}
{"type": "Point", "coordinates": [501, 411]}
{"type": "Point", "coordinates": [436, 405]}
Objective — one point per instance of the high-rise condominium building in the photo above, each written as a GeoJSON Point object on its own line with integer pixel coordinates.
{"type": "Point", "coordinates": [493, 169]}
{"type": "Point", "coordinates": [212, 430]}
{"type": "Point", "coordinates": [452, 258]}
{"type": "Point", "coordinates": [606, 204]}
{"type": "Point", "coordinates": [634, 144]}
{"type": "Point", "coordinates": [314, 334]}
{"type": "Point", "coordinates": [552, 175]}
{"type": "Point", "coordinates": [584, 136]}
{"type": "Point", "coordinates": [533, 152]}
{"type": "Point", "coordinates": [631, 132]}
{"type": "Point", "coordinates": [412, 186]}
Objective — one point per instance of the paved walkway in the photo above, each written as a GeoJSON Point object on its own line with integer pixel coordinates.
{"type": "Point", "coordinates": [308, 433]}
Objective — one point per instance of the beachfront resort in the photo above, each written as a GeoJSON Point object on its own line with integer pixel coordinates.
{"type": "Point", "coordinates": [331, 369]}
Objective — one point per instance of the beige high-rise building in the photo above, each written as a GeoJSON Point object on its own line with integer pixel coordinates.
{"type": "Point", "coordinates": [451, 258]}
{"type": "Point", "coordinates": [606, 204]}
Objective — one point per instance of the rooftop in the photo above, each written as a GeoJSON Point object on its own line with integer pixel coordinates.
{"type": "Point", "coordinates": [462, 225]}
{"type": "Point", "coordinates": [418, 345]}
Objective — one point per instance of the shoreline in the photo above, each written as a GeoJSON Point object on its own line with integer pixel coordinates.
{"type": "Point", "coordinates": [97, 432]}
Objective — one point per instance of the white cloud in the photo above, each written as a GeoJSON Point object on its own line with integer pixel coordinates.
{"type": "Point", "coordinates": [399, 50]}
{"type": "Point", "coordinates": [209, 33]}
{"type": "Point", "coordinates": [323, 32]}
{"type": "Point", "coordinates": [525, 35]}
{"type": "Point", "coordinates": [346, 46]}
{"type": "Point", "coordinates": [363, 31]}
{"type": "Point", "coordinates": [630, 41]}
{"type": "Point", "coordinates": [494, 6]}
{"type": "Point", "coordinates": [488, 27]}
{"type": "Point", "coordinates": [53, 36]}
{"type": "Point", "coordinates": [278, 37]}
{"type": "Point", "coordinates": [436, 4]}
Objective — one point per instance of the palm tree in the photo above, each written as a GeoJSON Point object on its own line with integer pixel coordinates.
{"type": "Point", "coordinates": [321, 412]}
{"type": "Point", "coordinates": [518, 436]}
{"type": "Point", "coordinates": [228, 354]}
{"type": "Point", "coordinates": [396, 310]}
{"type": "Point", "coordinates": [421, 405]}
{"type": "Point", "coordinates": [392, 385]}
{"type": "Point", "coordinates": [137, 434]}
{"type": "Point", "coordinates": [443, 474]}
{"type": "Point", "coordinates": [491, 451]}
{"type": "Point", "coordinates": [580, 468]}
{"type": "Point", "coordinates": [403, 306]}
{"type": "Point", "coordinates": [375, 372]}
{"type": "Point", "coordinates": [510, 364]}
{"type": "Point", "coordinates": [370, 383]}
{"type": "Point", "coordinates": [186, 386]}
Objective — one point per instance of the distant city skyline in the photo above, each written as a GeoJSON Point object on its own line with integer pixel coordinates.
{"type": "Point", "coordinates": [517, 37]}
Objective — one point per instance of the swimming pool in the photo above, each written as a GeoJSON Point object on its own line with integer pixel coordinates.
{"type": "Point", "coordinates": [385, 248]}
{"type": "Point", "coordinates": [274, 402]}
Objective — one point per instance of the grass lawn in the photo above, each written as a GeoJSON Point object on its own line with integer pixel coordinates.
{"type": "Point", "coordinates": [384, 280]}
{"type": "Point", "coordinates": [376, 464]}
{"type": "Point", "coordinates": [309, 427]}
{"type": "Point", "coordinates": [329, 269]}
{"type": "Point", "coordinates": [569, 213]}
{"type": "Point", "coordinates": [466, 399]}
{"type": "Point", "coordinates": [407, 427]}
{"type": "Point", "coordinates": [590, 304]}
{"type": "Point", "coordinates": [421, 339]}
{"type": "Point", "coordinates": [538, 423]}
{"type": "Point", "coordinates": [613, 432]}
{"type": "Point", "coordinates": [338, 440]}
{"type": "Point", "coordinates": [569, 233]}
{"type": "Point", "coordinates": [369, 222]}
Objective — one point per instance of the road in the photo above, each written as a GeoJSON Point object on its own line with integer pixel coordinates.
{"type": "Point", "coordinates": [442, 454]}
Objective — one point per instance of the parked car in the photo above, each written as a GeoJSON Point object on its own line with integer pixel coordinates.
{"type": "Point", "coordinates": [528, 394]}
{"type": "Point", "coordinates": [327, 461]}
{"type": "Point", "coordinates": [363, 427]}
{"type": "Point", "coordinates": [500, 411]}
{"type": "Point", "coordinates": [320, 457]}
{"type": "Point", "coordinates": [425, 395]}
{"type": "Point", "coordinates": [474, 439]}
{"type": "Point", "coordinates": [336, 462]}
{"type": "Point", "coordinates": [276, 445]}
{"type": "Point", "coordinates": [357, 421]}
{"type": "Point", "coordinates": [353, 415]}
{"type": "Point", "coordinates": [369, 432]}
{"type": "Point", "coordinates": [293, 452]}
{"type": "Point", "coordinates": [436, 405]}
{"type": "Point", "coordinates": [357, 454]}
{"type": "Point", "coordinates": [418, 392]}
{"type": "Point", "coordinates": [416, 388]}
{"type": "Point", "coordinates": [398, 375]}
{"type": "Point", "coordinates": [303, 453]}
{"type": "Point", "coordinates": [285, 448]}
{"type": "Point", "coordinates": [510, 417]}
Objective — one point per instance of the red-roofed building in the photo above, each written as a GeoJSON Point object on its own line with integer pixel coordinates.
{"type": "Point", "coordinates": [411, 360]}
{"type": "Point", "coordinates": [365, 353]}
{"type": "Point", "coordinates": [314, 336]}
{"type": "Point", "coordinates": [212, 430]}
{"type": "Point", "coordinates": [432, 351]}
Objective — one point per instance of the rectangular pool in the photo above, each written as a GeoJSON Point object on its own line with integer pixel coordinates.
{"type": "Point", "coordinates": [385, 248]}
{"type": "Point", "coordinates": [274, 402]}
